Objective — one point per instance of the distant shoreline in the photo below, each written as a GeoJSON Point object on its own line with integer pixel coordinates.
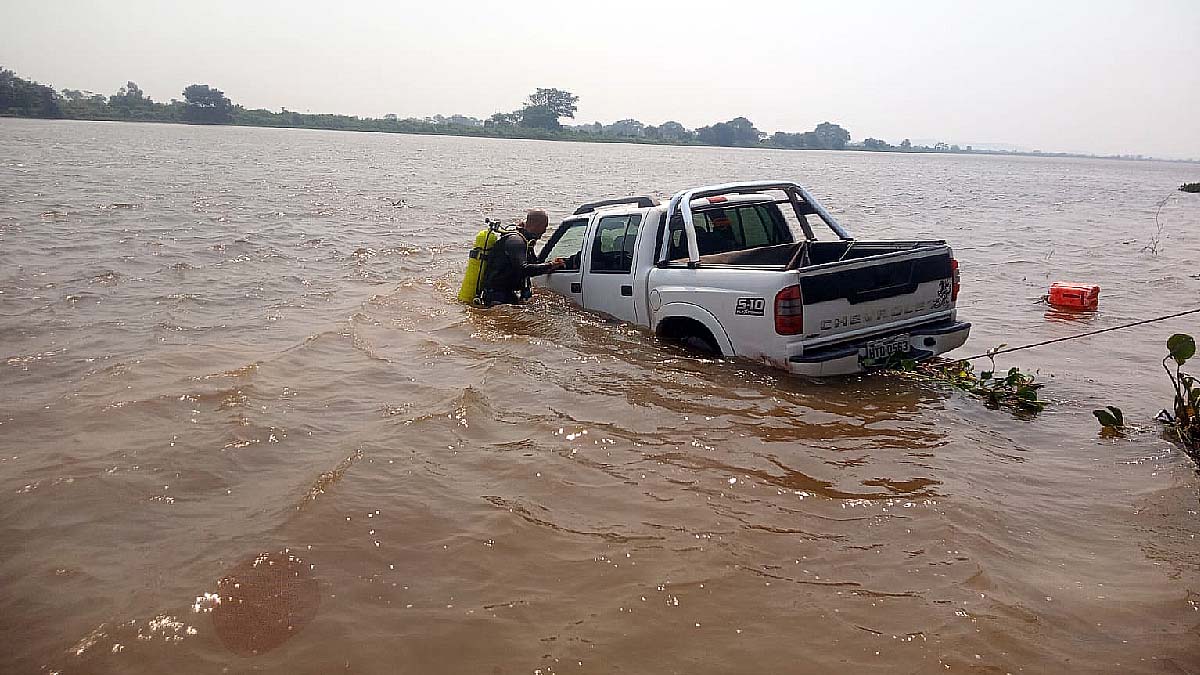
{"type": "Point", "coordinates": [539, 119]}
{"type": "Point", "coordinates": [577, 137]}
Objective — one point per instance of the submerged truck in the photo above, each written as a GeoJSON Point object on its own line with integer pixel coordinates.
{"type": "Point", "coordinates": [738, 270]}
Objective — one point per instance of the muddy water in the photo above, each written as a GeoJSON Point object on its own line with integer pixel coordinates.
{"type": "Point", "coordinates": [246, 427]}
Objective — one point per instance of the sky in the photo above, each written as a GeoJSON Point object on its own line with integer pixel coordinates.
{"type": "Point", "coordinates": [1105, 76]}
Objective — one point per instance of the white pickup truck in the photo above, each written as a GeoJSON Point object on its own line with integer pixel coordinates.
{"type": "Point", "coordinates": [724, 268]}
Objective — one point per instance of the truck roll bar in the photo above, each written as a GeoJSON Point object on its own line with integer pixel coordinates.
{"type": "Point", "coordinates": [796, 195]}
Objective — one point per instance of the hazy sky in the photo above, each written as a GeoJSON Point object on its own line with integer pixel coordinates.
{"type": "Point", "coordinates": [1097, 76]}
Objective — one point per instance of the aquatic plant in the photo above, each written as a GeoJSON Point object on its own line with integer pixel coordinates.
{"type": "Point", "coordinates": [1111, 418]}
{"type": "Point", "coordinates": [1012, 389]}
{"type": "Point", "coordinates": [1186, 418]}
{"type": "Point", "coordinates": [1159, 226]}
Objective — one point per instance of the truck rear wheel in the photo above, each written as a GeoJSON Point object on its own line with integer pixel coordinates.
{"type": "Point", "coordinates": [690, 333]}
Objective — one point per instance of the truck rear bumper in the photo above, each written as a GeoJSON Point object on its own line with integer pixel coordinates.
{"type": "Point", "coordinates": [846, 359]}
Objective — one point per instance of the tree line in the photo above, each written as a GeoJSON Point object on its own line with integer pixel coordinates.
{"type": "Point", "coordinates": [546, 107]}
{"type": "Point", "coordinates": [201, 103]}
{"type": "Point", "coordinates": [539, 117]}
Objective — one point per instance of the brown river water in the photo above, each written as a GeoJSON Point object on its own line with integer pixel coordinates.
{"type": "Point", "coordinates": [245, 426]}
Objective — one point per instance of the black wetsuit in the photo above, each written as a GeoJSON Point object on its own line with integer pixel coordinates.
{"type": "Point", "coordinates": [510, 263]}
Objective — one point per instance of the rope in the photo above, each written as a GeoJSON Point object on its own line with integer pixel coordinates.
{"type": "Point", "coordinates": [1081, 335]}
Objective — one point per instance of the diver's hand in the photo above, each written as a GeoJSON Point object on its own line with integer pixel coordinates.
{"type": "Point", "coordinates": [558, 264]}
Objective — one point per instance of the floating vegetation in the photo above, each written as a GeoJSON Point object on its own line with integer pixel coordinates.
{"type": "Point", "coordinates": [1111, 419]}
{"type": "Point", "coordinates": [1011, 389]}
{"type": "Point", "coordinates": [1184, 421]}
{"type": "Point", "coordinates": [1186, 418]}
{"type": "Point", "coordinates": [1193, 188]}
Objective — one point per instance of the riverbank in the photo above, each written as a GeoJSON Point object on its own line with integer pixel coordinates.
{"type": "Point", "coordinates": [422, 128]}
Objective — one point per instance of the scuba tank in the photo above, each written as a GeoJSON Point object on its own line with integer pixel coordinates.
{"type": "Point", "coordinates": [472, 283]}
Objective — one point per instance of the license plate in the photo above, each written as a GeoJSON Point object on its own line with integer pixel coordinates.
{"type": "Point", "coordinates": [881, 350]}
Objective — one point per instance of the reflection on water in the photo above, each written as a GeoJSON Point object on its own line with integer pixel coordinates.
{"type": "Point", "coordinates": [1083, 317]}
{"type": "Point", "coordinates": [224, 342]}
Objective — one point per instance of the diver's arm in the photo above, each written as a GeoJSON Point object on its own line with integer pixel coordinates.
{"type": "Point", "coordinates": [518, 255]}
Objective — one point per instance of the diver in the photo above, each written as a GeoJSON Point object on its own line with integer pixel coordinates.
{"type": "Point", "coordinates": [511, 262]}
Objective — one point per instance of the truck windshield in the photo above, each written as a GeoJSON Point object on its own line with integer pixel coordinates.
{"type": "Point", "coordinates": [731, 228]}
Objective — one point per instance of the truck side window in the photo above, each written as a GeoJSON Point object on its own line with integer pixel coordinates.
{"type": "Point", "coordinates": [612, 249]}
{"type": "Point", "coordinates": [567, 243]}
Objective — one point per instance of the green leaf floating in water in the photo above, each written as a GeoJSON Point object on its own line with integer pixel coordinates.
{"type": "Point", "coordinates": [1110, 417]}
{"type": "Point", "coordinates": [1182, 347]}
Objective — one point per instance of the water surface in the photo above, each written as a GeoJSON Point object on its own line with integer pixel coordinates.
{"type": "Point", "coordinates": [221, 344]}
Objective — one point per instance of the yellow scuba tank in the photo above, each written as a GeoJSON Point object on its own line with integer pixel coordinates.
{"type": "Point", "coordinates": [472, 283]}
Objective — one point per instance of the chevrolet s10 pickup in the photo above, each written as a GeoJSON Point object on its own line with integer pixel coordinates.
{"type": "Point", "coordinates": [738, 270]}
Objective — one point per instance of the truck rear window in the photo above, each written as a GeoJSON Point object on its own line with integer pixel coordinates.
{"type": "Point", "coordinates": [733, 228]}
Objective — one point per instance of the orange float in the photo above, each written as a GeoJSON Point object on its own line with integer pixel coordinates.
{"type": "Point", "coordinates": [1066, 295]}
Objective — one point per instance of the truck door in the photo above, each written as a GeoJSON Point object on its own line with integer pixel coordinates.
{"type": "Point", "coordinates": [608, 270]}
{"type": "Point", "coordinates": [567, 243]}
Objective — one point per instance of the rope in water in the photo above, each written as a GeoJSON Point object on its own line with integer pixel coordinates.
{"type": "Point", "coordinates": [994, 352]}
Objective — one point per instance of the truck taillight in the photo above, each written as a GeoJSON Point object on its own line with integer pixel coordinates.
{"type": "Point", "coordinates": [957, 280]}
{"type": "Point", "coordinates": [789, 311]}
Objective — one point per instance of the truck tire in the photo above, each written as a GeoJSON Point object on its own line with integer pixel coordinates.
{"type": "Point", "coordinates": [690, 333]}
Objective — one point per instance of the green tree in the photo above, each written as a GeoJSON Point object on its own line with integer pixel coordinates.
{"type": "Point", "coordinates": [539, 117]}
{"type": "Point", "coordinates": [906, 144]}
{"type": "Point", "coordinates": [674, 131]}
{"type": "Point", "coordinates": [744, 133]}
{"type": "Point", "coordinates": [561, 103]}
{"type": "Point", "coordinates": [131, 102]}
{"type": "Point", "coordinates": [28, 99]}
{"type": "Point", "coordinates": [831, 136]}
{"type": "Point", "coordinates": [501, 120]}
{"type": "Point", "coordinates": [627, 127]}
{"type": "Point", "coordinates": [715, 134]}
{"type": "Point", "coordinates": [205, 105]}
{"type": "Point", "coordinates": [738, 131]}
{"type": "Point", "coordinates": [128, 96]}
{"type": "Point", "coordinates": [783, 139]}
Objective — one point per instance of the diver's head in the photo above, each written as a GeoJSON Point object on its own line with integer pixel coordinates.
{"type": "Point", "coordinates": [536, 222]}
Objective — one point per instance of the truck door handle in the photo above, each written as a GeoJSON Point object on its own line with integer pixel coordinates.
{"type": "Point", "coordinates": [627, 291]}
{"type": "Point", "coordinates": [576, 287]}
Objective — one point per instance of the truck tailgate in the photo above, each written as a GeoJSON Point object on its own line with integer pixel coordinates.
{"type": "Point", "coordinates": [845, 300]}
